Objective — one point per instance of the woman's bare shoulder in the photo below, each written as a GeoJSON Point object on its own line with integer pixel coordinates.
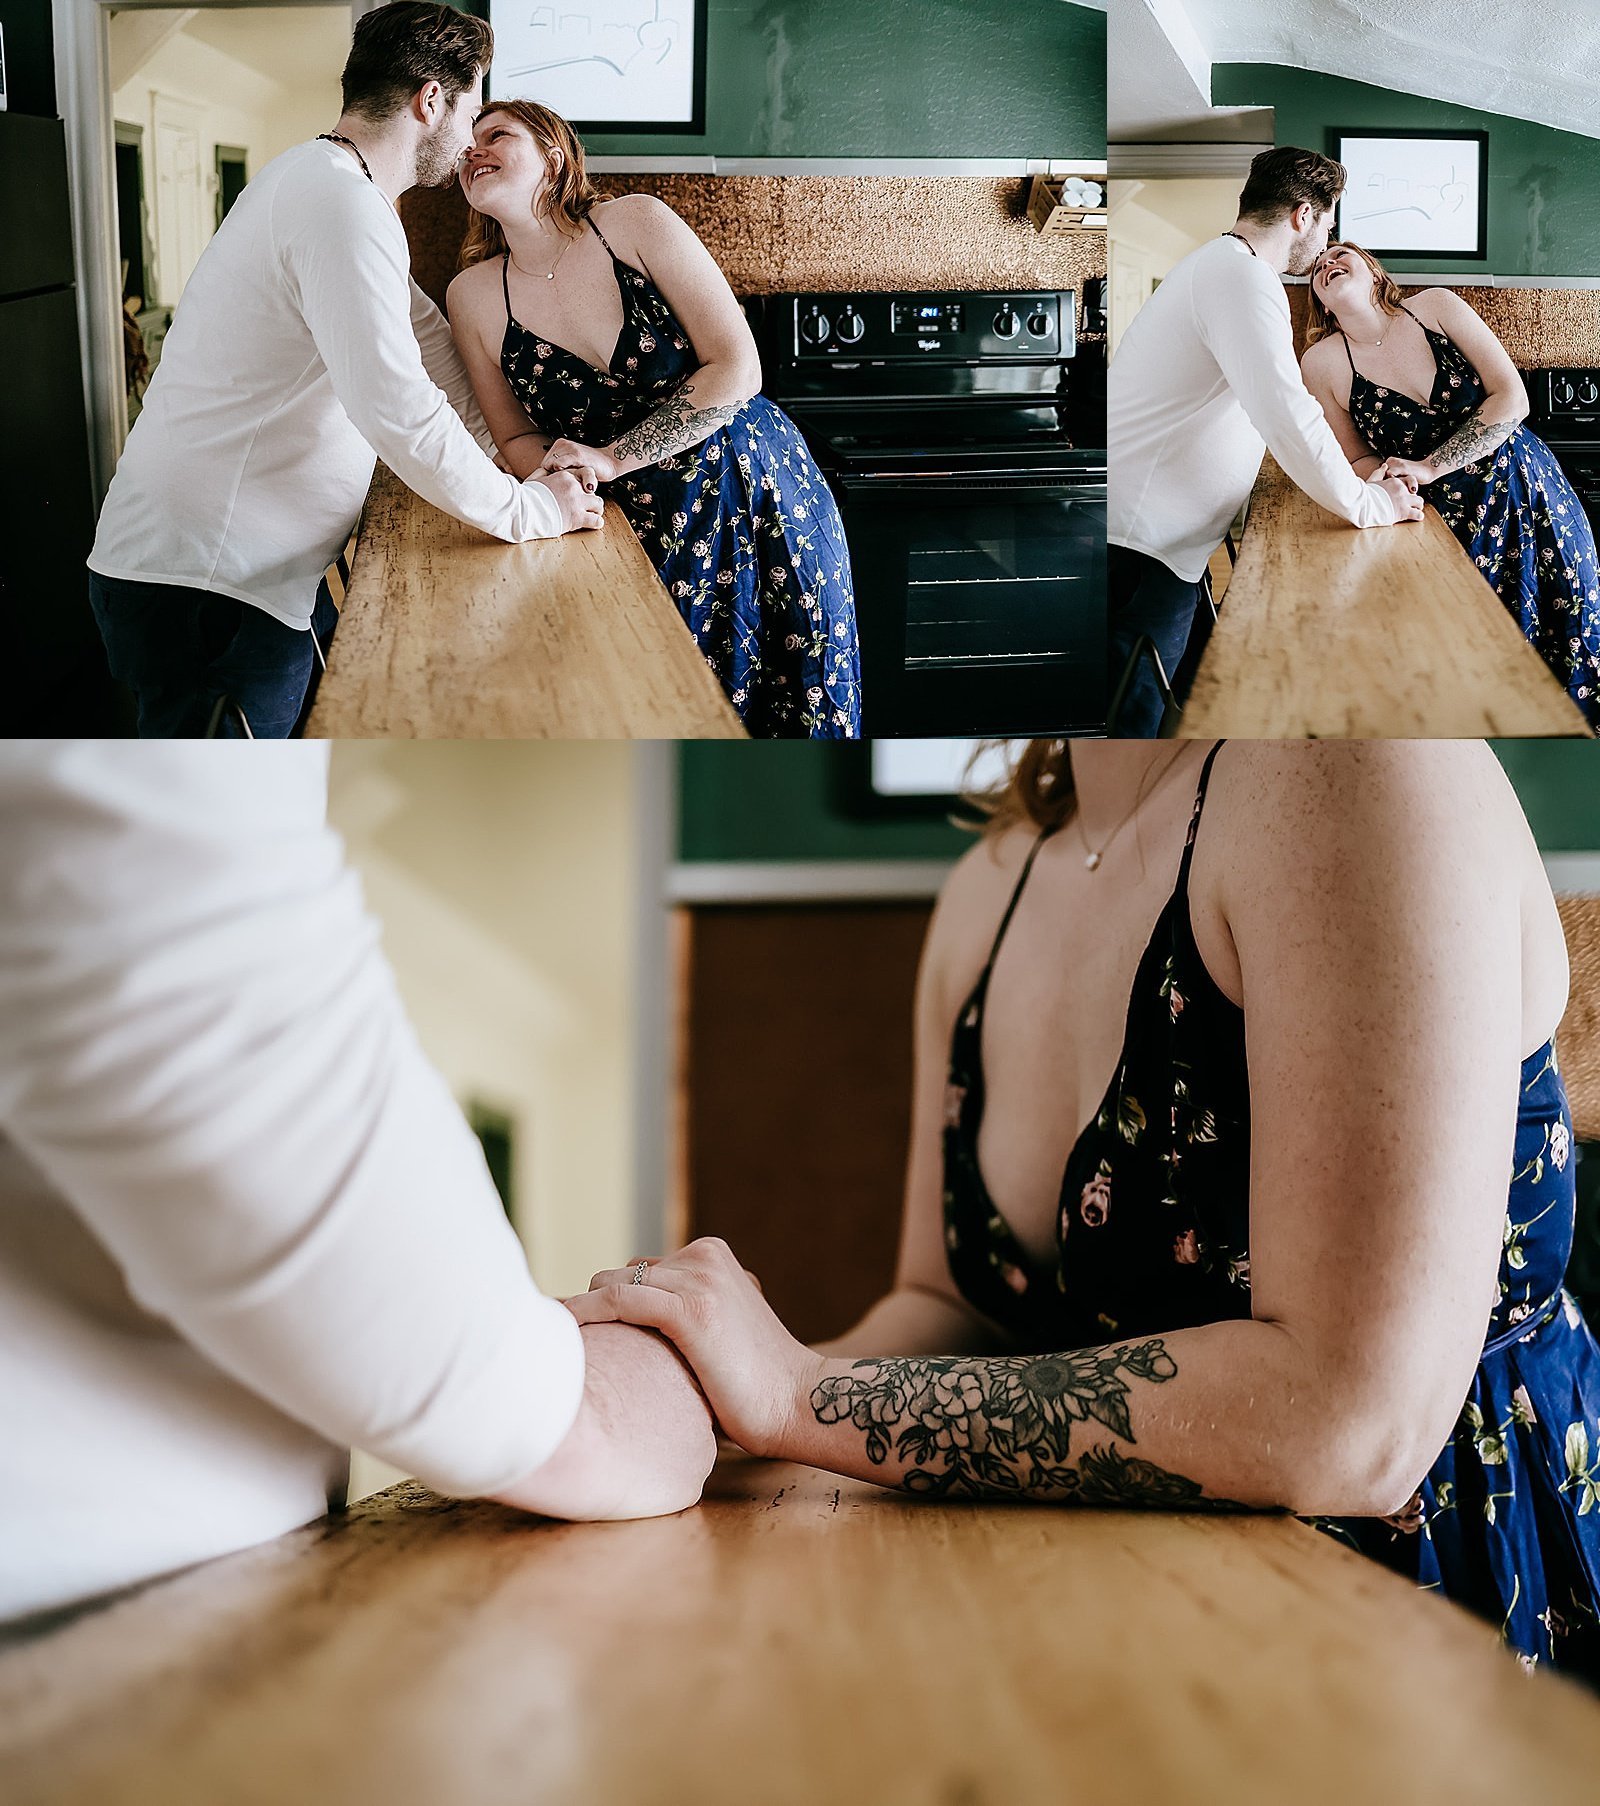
{"type": "Point", "coordinates": [1326, 372]}
{"type": "Point", "coordinates": [1308, 819]}
{"type": "Point", "coordinates": [635, 219]}
{"type": "Point", "coordinates": [1319, 354]}
{"type": "Point", "coordinates": [474, 289]}
{"type": "Point", "coordinates": [1437, 307]}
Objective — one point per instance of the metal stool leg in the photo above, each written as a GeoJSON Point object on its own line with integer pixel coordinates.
{"type": "Point", "coordinates": [219, 711]}
{"type": "Point", "coordinates": [1145, 648]}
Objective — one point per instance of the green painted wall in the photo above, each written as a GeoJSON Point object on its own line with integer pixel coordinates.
{"type": "Point", "coordinates": [786, 801]}
{"type": "Point", "coordinates": [777, 799]}
{"type": "Point", "coordinates": [1543, 220]}
{"type": "Point", "coordinates": [893, 78]}
{"type": "Point", "coordinates": [1559, 784]}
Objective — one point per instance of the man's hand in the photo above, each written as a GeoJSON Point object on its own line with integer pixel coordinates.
{"type": "Point", "coordinates": [1407, 503]}
{"type": "Point", "coordinates": [643, 1443]}
{"type": "Point", "coordinates": [1414, 472]}
{"type": "Point", "coordinates": [574, 491]}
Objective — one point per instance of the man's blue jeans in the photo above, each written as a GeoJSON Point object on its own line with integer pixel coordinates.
{"type": "Point", "coordinates": [183, 652]}
{"type": "Point", "coordinates": [1147, 598]}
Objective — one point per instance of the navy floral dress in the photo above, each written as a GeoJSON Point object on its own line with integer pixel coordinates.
{"type": "Point", "coordinates": [1153, 1236]}
{"type": "Point", "coordinates": [742, 529]}
{"type": "Point", "coordinates": [1513, 510]}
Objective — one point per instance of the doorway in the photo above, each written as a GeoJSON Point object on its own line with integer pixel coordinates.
{"type": "Point", "coordinates": [201, 99]}
{"type": "Point", "coordinates": [231, 176]}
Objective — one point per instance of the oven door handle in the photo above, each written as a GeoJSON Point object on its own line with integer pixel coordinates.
{"type": "Point", "coordinates": [1086, 487]}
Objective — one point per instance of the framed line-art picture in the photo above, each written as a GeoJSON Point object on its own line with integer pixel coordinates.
{"type": "Point", "coordinates": [605, 65]}
{"type": "Point", "coordinates": [1415, 193]}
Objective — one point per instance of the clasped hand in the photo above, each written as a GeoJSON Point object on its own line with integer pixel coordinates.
{"type": "Point", "coordinates": [568, 454]}
{"type": "Point", "coordinates": [755, 1375]}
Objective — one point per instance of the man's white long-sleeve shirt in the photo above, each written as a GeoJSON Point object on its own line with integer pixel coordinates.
{"type": "Point", "coordinates": [301, 348]}
{"type": "Point", "coordinates": [243, 1225]}
{"type": "Point", "coordinates": [1203, 381]}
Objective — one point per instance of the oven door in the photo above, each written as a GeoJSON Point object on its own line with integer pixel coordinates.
{"type": "Point", "coordinates": [981, 602]}
{"type": "Point", "coordinates": [1580, 463]}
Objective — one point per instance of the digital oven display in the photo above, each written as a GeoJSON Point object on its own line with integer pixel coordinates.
{"type": "Point", "coordinates": [926, 316]}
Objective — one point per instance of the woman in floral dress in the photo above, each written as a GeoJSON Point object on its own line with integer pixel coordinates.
{"type": "Point", "coordinates": [601, 335]}
{"type": "Point", "coordinates": [1241, 1177]}
{"type": "Point", "coordinates": [1422, 389]}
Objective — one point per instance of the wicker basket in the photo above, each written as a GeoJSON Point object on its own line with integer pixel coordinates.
{"type": "Point", "coordinates": [1053, 218]}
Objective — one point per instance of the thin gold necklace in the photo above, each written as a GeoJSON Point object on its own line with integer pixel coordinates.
{"type": "Point", "coordinates": [1092, 856]}
{"type": "Point", "coordinates": [549, 274]}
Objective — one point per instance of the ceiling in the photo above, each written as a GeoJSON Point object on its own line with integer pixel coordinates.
{"type": "Point", "coordinates": [303, 47]}
{"type": "Point", "coordinates": [1540, 63]}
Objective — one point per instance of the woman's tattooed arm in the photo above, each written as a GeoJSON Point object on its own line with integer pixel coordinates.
{"type": "Point", "coordinates": [1003, 1427]}
{"type": "Point", "coordinates": [673, 427]}
{"type": "Point", "coordinates": [1475, 438]}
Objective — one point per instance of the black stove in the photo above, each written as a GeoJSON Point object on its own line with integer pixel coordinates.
{"type": "Point", "coordinates": [962, 433]}
{"type": "Point", "coordinates": [1565, 413]}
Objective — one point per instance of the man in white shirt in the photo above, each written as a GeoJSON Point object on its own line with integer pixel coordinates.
{"type": "Point", "coordinates": [243, 1226]}
{"type": "Point", "coordinates": [301, 348]}
{"type": "Point", "coordinates": [1204, 379]}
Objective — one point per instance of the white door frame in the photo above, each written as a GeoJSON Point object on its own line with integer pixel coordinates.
{"type": "Point", "coordinates": [83, 92]}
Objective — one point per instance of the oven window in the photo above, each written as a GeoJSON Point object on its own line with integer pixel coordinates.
{"type": "Point", "coordinates": [982, 606]}
{"type": "Point", "coordinates": [985, 584]}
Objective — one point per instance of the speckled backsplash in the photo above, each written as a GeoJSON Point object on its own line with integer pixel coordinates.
{"type": "Point", "coordinates": [776, 233]}
{"type": "Point", "coordinates": [1540, 327]}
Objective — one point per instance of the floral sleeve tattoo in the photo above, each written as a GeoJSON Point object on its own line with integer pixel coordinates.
{"type": "Point", "coordinates": [990, 1427]}
{"type": "Point", "coordinates": [1474, 438]}
{"type": "Point", "coordinates": [674, 426]}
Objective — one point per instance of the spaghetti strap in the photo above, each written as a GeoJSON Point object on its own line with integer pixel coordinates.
{"type": "Point", "coordinates": [589, 221]}
{"type": "Point", "coordinates": [1016, 897]}
{"type": "Point", "coordinates": [1194, 820]}
{"type": "Point", "coordinates": [1346, 343]}
{"type": "Point", "coordinates": [505, 283]}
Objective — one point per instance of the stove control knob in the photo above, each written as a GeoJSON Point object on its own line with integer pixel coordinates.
{"type": "Point", "coordinates": [1589, 391]}
{"type": "Point", "coordinates": [1039, 323]}
{"type": "Point", "coordinates": [1562, 392]}
{"type": "Point", "coordinates": [814, 327]}
{"type": "Point", "coordinates": [1005, 323]}
{"type": "Point", "coordinates": [851, 326]}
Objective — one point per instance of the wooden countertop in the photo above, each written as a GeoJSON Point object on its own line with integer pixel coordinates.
{"type": "Point", "coordinates": [448, 634]}
{"type": "Point", "coordinates": [795, 1639]}
{"type": "Point", "coordinates": [1388, 632]}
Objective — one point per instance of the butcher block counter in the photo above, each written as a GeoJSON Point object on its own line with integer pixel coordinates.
{"type": "Point", "coordinates": [797, 1638]}
{"type": "Point", "coordinates": [1380, 633]}
{"type": "Point", "coordinates": [447, 634]}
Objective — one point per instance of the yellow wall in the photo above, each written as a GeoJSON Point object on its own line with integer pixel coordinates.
{"type": "Point", "coordinates": [1155, 224]}
{"type": "Point", "coordinates": [504, 877]}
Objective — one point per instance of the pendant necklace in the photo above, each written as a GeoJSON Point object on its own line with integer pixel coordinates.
{"type": "Point", "coordinates": [1092, 856]}
{"type": "Point", "coordinates": [549, 274]}
{"type": "Point", "coordinates": [350, 144]}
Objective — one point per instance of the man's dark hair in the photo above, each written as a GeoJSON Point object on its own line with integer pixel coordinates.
{"type": "Point", "coordinates": [1280, 180]}
{"type": "Point", "coordinates": [401, 48]}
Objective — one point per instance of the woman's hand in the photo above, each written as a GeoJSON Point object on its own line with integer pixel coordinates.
{"type": "Point", "coordinates": [1413, 472]}
{"type": "Point", "coordinates": [568, 454]}
{"type": "Point", "coordinates": [755, 1375]}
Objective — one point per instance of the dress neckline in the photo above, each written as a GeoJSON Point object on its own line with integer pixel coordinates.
{"type": "Point", "coordinates": [1430, 406]}
{"type": "Point", "coordinates": [608, 371]}
{"type": "Point", "coordinates": [1169, 918]}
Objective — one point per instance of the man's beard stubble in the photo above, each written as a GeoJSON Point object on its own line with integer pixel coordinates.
{"type": "Point", "coordinates": [437, 163]}
{"type": "Point", "coordinates": [1302, 259]}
